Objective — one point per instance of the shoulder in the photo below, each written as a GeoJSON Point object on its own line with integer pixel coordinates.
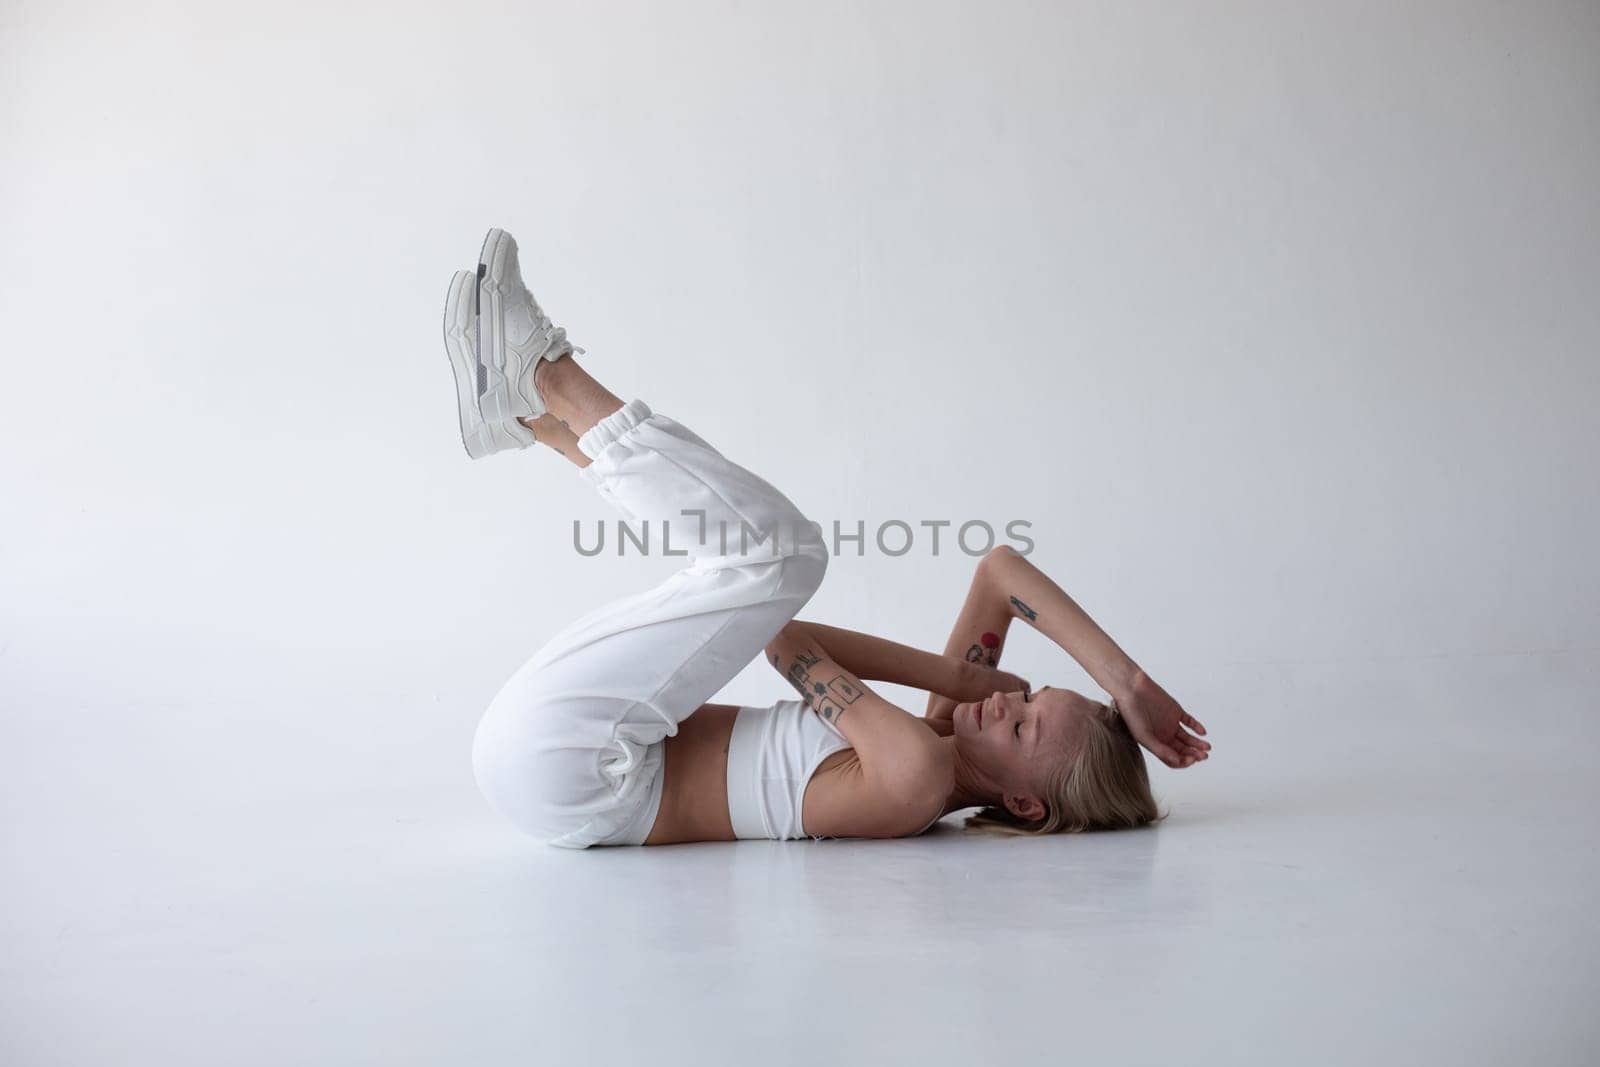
{"type": "Point", "coordinates": [844, 800]}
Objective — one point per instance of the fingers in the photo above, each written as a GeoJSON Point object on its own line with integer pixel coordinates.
{"type": "Point", "coordinates": [1185, 750]}
{"type": "Point", "coordinates": [1192, 722]}
{"type": "Point", "coordinates": [1166, 754]}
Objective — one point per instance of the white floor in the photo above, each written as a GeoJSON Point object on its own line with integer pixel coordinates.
{"type": "Point", "coordinates": [1391, 862]}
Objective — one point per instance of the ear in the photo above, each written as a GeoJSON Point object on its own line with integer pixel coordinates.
{"type": "Point", "coordinates": [1027, 807]}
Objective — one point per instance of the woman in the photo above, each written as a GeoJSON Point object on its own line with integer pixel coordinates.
{"type": "Point", "coordinates": [605, 736]}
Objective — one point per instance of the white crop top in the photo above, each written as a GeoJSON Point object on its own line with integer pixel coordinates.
{"type": "Point", "coordinates": [772, 754]}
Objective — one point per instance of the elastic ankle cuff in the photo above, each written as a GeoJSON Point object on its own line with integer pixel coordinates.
{"type": "Point", "coordinates": [613, 426]}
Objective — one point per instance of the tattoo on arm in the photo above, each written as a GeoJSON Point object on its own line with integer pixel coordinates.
{"type": "Point", "coordinates": [986, 651]}
{"type": "Point", "coordinates": [827, 698]}
{"type": "Point", "coordinates": [1027, 612]}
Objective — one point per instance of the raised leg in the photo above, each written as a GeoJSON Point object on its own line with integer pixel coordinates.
{"type": "Point", "coordinates": [575, 402]}
{"type": "Point", "coordinates": [551, 431]}
{"type": "Point", "coordinates": [570, 750]}
{"type": "Point", "coordinates": [573, 395]}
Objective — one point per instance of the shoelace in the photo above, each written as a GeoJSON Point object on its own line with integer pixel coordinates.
{"type": "Point", "coordinates": [548, 332]}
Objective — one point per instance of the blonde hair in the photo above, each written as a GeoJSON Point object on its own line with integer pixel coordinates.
{"type": "Point", "coordinates": [1104, 787]}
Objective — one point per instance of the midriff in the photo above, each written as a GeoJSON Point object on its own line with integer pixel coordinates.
{"type": "Point", "coordinates": [694, 778]}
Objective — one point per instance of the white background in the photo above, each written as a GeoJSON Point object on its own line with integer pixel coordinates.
{"type": "Point", "coordinates": [1279, 322]}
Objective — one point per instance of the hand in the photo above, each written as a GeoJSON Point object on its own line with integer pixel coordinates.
{"type": "Point", "coordinates": [986, 680]}
{"type": "Point", "coordinates": [1007, 682]}
{"type": "Point", "coordinates": [969, 680]}
{"type": "Point", "coordinates": [1158, 723]}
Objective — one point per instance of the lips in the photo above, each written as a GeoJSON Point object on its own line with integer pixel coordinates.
{"type": "Point", "coordinates": [978, 711]}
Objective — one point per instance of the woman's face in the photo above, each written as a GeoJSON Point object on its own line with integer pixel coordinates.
{"type": "Point", "coordinates": [1015, 740]}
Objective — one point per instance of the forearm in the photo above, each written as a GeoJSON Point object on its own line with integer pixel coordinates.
{"type": "Point", "coordinates": [894, 746]}
{"type": "Point", "coordinates": [1025, 592]}
{"type": "Point", "coordinates": [979, 633]}
{"type": "Point", "coordinates": [876, 659]}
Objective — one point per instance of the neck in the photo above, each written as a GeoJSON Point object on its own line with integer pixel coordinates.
{"type": "Point", "coordinates": [972, 789]}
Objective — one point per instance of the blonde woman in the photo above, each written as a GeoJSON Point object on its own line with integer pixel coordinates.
{"type": "Point", "coordinates": [606, 736]}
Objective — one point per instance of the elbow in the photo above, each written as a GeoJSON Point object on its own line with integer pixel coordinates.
{"type": "Point", "coordinates": [998, 558]}
{"type": "Point", "coordinates": [784, 639]}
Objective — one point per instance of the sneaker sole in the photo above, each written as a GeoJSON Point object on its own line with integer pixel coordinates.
{"type": "Point", "coordinates": [490, 314]}
{"type": "Point", "coordinates": [460, 310]}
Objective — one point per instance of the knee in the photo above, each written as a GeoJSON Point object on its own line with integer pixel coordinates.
{"type": "Point", "coordinates": [806, 566]}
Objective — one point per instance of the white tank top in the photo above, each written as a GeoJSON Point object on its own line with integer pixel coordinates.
{"type": "Point", "coordinates": [772, 755]}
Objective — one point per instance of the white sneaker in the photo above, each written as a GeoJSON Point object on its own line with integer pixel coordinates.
{"type": "Point", "coordinates": [514, 333]}
{"type": "Point", "coordinates": [480, 434]}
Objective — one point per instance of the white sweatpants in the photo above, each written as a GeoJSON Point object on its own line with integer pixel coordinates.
{"type": "Point", "coordinates": [570, 749]}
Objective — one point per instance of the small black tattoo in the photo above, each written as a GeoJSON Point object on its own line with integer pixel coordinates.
{"type": "Point", "coordinates": [844, 690]}
{"type": "Point", "coordinates": [827, 699]}
{"type": "Point", "coordinates": [987, 657]}
{"type": "Point", "coordinates": [1027, 612]}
